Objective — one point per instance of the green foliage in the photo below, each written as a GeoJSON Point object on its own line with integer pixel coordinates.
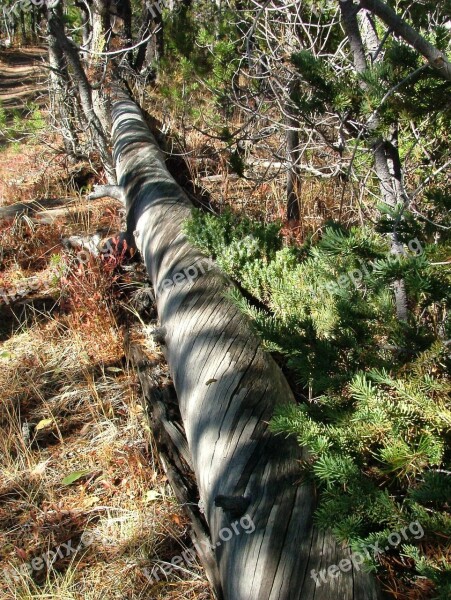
{"type": "Point", "coordinates": [233, 241]}
{"type": "Point", "coordinates": [376, 413]}
{"type": "Point", "coordinates": [20, 126]}
{"type": "Point", "coordinates": [315, 74]}
{"type": "Point", "coordinates": [201, 50]}
{"type": "Point", "coordinates": [73, 477]}
{"type": "Point", "coordinates": [438, 571]}
{"type": "Point", "coordinates": [205, 38]}
{"type": "Point", "coordinates": [179, 34]}
{"type": "Point", "coordinates": [434, 490]}
{"type": "Point", "coordinates": [2, 118]}
{"type": "Point", "coordinates": [58, 268]}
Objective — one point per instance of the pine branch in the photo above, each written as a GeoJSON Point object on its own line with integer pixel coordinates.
{"type": "Point", "coordinates": [437, 59]}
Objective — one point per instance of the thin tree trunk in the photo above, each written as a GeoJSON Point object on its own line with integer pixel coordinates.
{"type": "Point", "coordinates": [33, 25]}
{"type": "Point", "coordinates": [100, 42]}
{"type": "Point", "coordinates": [384, 151]}
{"type": "Point", "coordinates": [23, 27]}
{"type": "Point", "coordinates": [293, 180]}
{"type": "Point", "coordinates": [56, 29]}
{"type": "Point", "coordinates": [292, 135]}
{"type": "Point", "coordinates": [124, 12]}
{"type": "Point", "coordinates": [153, 51]}
{"type": "Point", "coordinates": [59, 85]}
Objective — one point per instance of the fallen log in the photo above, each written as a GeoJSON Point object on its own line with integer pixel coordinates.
{"type": "Point", "coordinates": [42, 211]}
{"type": "Point", "coordinates": [172, 446]}
{"type": "Point", "coordinates": [50, 208]}
{"type": "Point", "coordinates": [227, 387]}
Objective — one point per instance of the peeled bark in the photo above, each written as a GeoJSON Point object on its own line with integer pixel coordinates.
{"type": "Point", "coordinates": [227, 387]}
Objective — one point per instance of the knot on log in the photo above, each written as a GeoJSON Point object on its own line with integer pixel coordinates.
{"type": "Point", "coordinates": [235, 506]}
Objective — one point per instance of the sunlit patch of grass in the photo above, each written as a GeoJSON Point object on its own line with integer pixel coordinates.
{"type": "Point", "coordinates": [26, 246]}
{"type": "Point", "coordinates": [80, 417]}
{"type": "Point", "coordinates": [76, 453]}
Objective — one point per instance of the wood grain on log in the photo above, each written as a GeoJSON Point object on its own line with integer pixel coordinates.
{"type": "Point", "coordinates": [227, 388]}
{"type": "Point", "coordinates": [170, 449]}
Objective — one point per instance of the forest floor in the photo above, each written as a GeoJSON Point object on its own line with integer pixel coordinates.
{"type": "Point", "coordinates": [77, 456]}
{"type": "Point", "coordinates": [85, 509]}
{"type": "Point", "coordinates": [22, 73]}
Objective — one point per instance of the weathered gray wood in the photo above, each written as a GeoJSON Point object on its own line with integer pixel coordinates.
{"type": "Point", "coordinates": [170, 449]}
{"type": "Point", "coordinates": [103, 191]}
{"type": "Point", "coordinates": [227, 388]}
{"type": "Point", "coordinates": [45, 208]}
{"type": "Point", "coordinates": [41, 211]}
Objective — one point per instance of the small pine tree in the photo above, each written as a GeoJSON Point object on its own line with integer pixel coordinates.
{"type": "Point", "coordinates": [375, 414]}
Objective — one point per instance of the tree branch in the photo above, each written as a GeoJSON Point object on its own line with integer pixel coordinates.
{"type": "Point", "coordinates": [437, 59]}
{"type": "Point", "coordinates": [111, 191]}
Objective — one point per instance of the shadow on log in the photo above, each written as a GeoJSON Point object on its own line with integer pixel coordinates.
{"type": "Point", "coordinates": [173, 452]}
{"type": "Point", "coordinates": [227, 387]}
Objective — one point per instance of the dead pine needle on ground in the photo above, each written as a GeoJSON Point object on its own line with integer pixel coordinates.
{"type": "Point", "coordinates": [77, 458]}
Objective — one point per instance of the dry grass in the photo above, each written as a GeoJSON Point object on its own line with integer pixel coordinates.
{"type": "Point", "coordinates": [29, 243]}
{"type": "Point", "coordinates": [26, 248]}
{"type": "Point", "coordinates": [31, 170]}
{"type": "Point", "coordinates": [62, 413]}
{"type": "Point", "coordinates": [70, 404]}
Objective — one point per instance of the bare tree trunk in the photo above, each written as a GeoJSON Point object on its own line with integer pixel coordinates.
{"type": "Point", "coordinates": [153, 51]}
{"type": "Point", "coordinates": [23, 27]}
{"type": "Point", "coordinates": [435, 57]}
{"type": "Point", "coordinates": [100, 138]}
{"type": "Point", "coordinates": [100, 41]}
{"type": "Point", "coordinates": [292, 135]}
{"type": "Point", "coordinates": [386, 155]}
{"type": "Point", "coordinates": [101, 25]}
{"type": "Point", "coordinates": [293, 179]}
{"type": "Point", "coordinates": [59, 86]}
{"type": "Point", "coordinates": [123, 14]}
{"type": "Point", "coordinates": [33, 25]}
{"type": "Point", "coordinates": [227, 387]}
